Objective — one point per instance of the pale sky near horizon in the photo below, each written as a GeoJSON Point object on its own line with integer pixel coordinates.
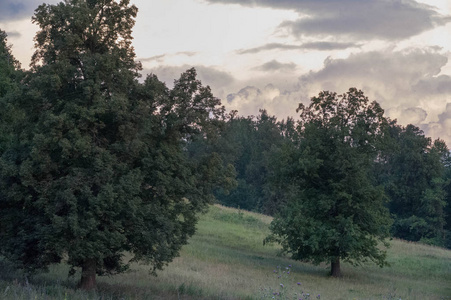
{"type": "Point", "coordinates": [274, 54]}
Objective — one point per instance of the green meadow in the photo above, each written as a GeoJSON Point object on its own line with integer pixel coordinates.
{"type": "Point", "coordinates": [226, 259]}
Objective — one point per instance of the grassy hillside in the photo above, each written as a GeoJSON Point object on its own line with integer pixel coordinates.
{"type": "Point", "coordinates": [227, 260]}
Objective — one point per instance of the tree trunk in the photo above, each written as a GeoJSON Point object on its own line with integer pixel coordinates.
{"type": "Point", "coordinates": [88, 275]}
{"type": "Point", "coordinates": [335, 267]}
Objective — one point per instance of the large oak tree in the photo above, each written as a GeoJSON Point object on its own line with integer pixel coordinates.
{"type": "Point", "coordinates": [334, 211]}
{"type": "Point", "coordinates": [98, 164]}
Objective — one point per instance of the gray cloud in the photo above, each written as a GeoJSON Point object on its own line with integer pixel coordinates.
{"type": "Point", "coordinates": [274, 65]}
{"type": "Point", "coordinates": [19, 9]}
{"type": "Point", "coordinates": [326, 46]}
{"type": "Point", "coordinates": [13, 34]}
{"type": "Point", "coordinates": [250, 99]}
{"type": "Point", "coordinates": [160, 58]}
{"type": "Point", "coordinates": [270, 46]}
{"type": "Point", "coordinates": [434, 85]}
{"type": "Point", "coordinates": [411, 115]}
{"type": "Point", "coordinates": [446, 115]}
{"type": "Point", "coordinates": [364, 21]}
{"type": "Point", "coordinates": [322, 46]}
{"type": "Point", "coordinates": [361, 19]}
{"type": "Point", "coordinates": [406, 83]}
{"type": "Point", "coordinates": [442, 128]}
{"type": "Point", "coordinates": [410, 72]}
{"type": "Point", "coordinates": [187, 53]}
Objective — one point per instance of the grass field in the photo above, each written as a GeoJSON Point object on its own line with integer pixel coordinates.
{"type": "Point", "coordinates": [226, 259]}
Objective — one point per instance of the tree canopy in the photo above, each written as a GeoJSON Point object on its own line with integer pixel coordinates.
{"type": "Point", "coordinates": [99, 164]}
{"type": "Point", "coordinates": [9, 66]}
{"type": "Point", "coordinates": [413, 173]}
{"type": "Point", "coordinates": [334, 210]}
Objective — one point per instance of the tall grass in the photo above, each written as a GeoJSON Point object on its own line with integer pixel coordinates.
{"type": "Point", "coordinates": [226, 259]}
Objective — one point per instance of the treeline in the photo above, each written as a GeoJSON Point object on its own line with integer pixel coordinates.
{"type": "Point", "coordinates": [413, 170]}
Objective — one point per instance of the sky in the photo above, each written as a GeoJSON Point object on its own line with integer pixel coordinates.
{"type": "Point", "coordinates": [275, 54]}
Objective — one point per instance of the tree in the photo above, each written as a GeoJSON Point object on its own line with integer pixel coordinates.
{"type": "Point", "coordinates": [99, 164]}
{"type": "Point", "coordinates": [10, 75]}
{"type": "Point", "coordinates": [414, 178]}
{"type": "Point", "coordinates": [247, 143]}
{"type": "Point", "coordinates": [447, 210]}
{"type": "Point", "coordinates": [9, 66]}
{"type": "Point", "coordinates": [334, 211]}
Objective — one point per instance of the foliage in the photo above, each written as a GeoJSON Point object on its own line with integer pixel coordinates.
{"type": "Point", "coordinates": [9, 66]}
{"type": "Point", "coordinates": [412, 169]}
{"type": "Point", "coordinates": [334, 210]}
{"type": "Point", "coordinates": [248, 143]}
{"type": "Point", "coordinates": [99, 163]}
{"type": "Point", "coordinates": [10, 76]}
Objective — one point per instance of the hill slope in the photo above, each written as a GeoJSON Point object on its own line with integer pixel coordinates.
{"type": "Point", "coordinates": [226, 259]}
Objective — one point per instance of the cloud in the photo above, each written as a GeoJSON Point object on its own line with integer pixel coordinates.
{"type": "Point", "coordinates": [327, 46]}
{"type": "Point", "coordinates": [158, 58]}
{"type": "Point", "coordinates": [162, 57]}
{"type": "Point", "coordinates": [434, 85]}
{"type": "Point", "coordinates": [274, 65]}
{"type": "Point", "coordinates": [387, 20]}
{"type": "Point", "coordinates": [322, 46]}
{"type": "Point", "coordinates": [446, 115]}
{"type": "Point", "coordinates": [404, 76]}
{"type": "Point", "coordinates": [406, 83]}
{"type": "Point", "coordinates": [19, 9]}
{"type": "Point", "coordinates": [187, 53]}
{"type": "Point", "coordinates": [442, 128]}
{"type": "Point", "coordinates": [14, 34]}
{"type": "Point", "coordinates": [359, 19]}
{"type": "Point", "coordinates": [250, 99]}
{"type": "Point", "coordinates": [411, 115]}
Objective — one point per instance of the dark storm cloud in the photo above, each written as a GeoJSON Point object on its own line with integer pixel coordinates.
{"type": "Point", "coordinates": [322, 46]}
{"type": "Point", "coordinates": [19, 9]}
{"type": "Point", "coordinates": [274, 65]}
{"type": "Point", "coordinates": [360, 19]}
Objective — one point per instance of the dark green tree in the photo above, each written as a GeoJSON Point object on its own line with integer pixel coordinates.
{"type": "Point", "coordinates": [9, 66]}
{"type": "Point", "coordinates": [334, 211]}
{"type": "Point", "coordinates": [99, 164]}
{"type": "Point", "coordinates": [10, 75]}
{"type": "Point", "coordinates": [447, 209]}
{"type": "Point", "coordinates": [414, 177]}
{"type": "Point", "coordinates": [246, 143]}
